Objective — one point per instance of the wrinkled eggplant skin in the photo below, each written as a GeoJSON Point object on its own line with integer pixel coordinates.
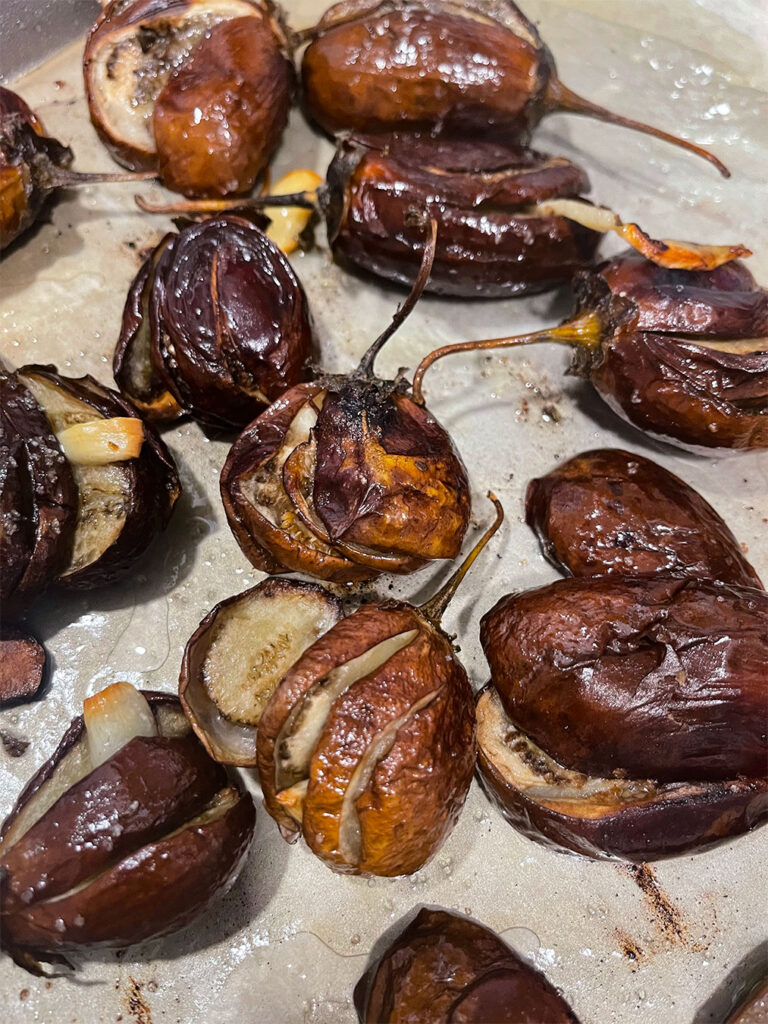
{"type": "Point", "coordinates": [40, 508]}
{"type": "Point", "coordinates": [241, 81]}
{"type": "Point", "coordinates": [154, 485]}
{"type": "Point", "coordinates": [679, 818]}
{"type": "Point", "coordinates": [230, 328]}
{"type": "Point", "coordinates": [654, 677]}
{"type": "Point", "coordinates": [449, 969]}
{"type": "Point", "coordinates": [652, 368]}
{"type": "Point", "coordinates": [614, 512]}
{"type": "Point", "coordinates": [28, 158]}
{"type": "Point", "coordinates": [486, 248]}
{"type": "Point", "coordinates": [721, 303]}
{"type": "Point", "coordinates": [175, 877]}
{"type": "Point", "coordinates": [381, 67]}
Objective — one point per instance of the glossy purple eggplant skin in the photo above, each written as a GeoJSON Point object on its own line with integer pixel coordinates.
{"type": "Point", "coordinates": [229, 324]}
{"type": "Point", "coordinates": [649, 821]}
{"type": "Point", "coordinates": [38, 499]}
{"type": "Point", "coordinates": [448, 969]}
{"type": "Point", "coordinates": [656, 367]}
{"type": "Point", "coordinates": [488, 246]}
{"type": "Point", "coordinates": [145, 871]}
{"type": "Point", "coordinates": [653, 677]}
{"type": "Point", "coordinates": [153, 483]}
{"type": "Point", "coordinates": [614, 512]}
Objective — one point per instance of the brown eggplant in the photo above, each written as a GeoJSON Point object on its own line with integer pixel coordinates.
{"type": "Point", "coordinates": [491, 243]}
{"type": "Point", "coordinates": [240, 652]}
{"type": "Point", "coordinates": [681, 354]}
{"type": "Point", "coordinates": [124, 498]}
{"type": "Point", "coordinates": [448, 969]}
{"type": "Point", "coordinates": [166, 836]}
{"type": "Point", "coordinates": [366, 746]}
{"type": "Point", "coordinates": [627, 713]}
{"type": "Point", "coordinates": [614, 512]}
{"type": "Point", "coordinates": [754, 1008]}
{"type": "Point", "coordinates": [347, 477]}
{"type": "Point", "coordinates": [198, 90]}
{"type": "Point", "coordinates": [475, 68]}
{"type": "Point", "coordinates": [216, 323]}
{"type": "Point", "coordinates": [599, 817]}
{"type": "Point", "coordinates": [33, 167]}
{"type": "Point", "coordinates": [22, 665]}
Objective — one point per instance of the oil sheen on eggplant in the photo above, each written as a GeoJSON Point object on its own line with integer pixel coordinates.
{"type": "Point", "coordinates": [448, 969]}
{"type": "Point", "coordinates": [489, 243]}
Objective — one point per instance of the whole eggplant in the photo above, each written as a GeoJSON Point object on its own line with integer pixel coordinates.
{"type": "Point", "coordinates": [167, 835]}
{"type": "Point", "coordinates": [490, 241]}
{"type": "Point", "coordinates": [448, 969]}
{"type": "Point", "coordinates": [681, 354]}
{"type": "Point", "coordinates": [216, 323]}
{"type": "Point", "coordinates": [615, 512]}
{"type": "Point", "coordinates": [626, 715]}
{"type": "Point", "coordinates": [474, 68]}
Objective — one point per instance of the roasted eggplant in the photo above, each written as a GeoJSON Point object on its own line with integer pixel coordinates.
{"type": "Point", "coordinates": [22, 665]}
{"type": "Point", "coordinates": [615, 512]}
{"type": "Point", "coordinates": [491, 241]}
{"type": "Point", "coordinates": [240, 652]}
{"type": "Point", "coordinates": [347, 477]}
{"type": "Point", "coordinates": [681, 354]}
{"type": "Point", "coordinates": [215, 324]}
{"type": "Point", "coordinates": [108, 483]}
{"type": "Point", "coordinates": [366, 746]}
{"type": "Point", "coordinates": [197, 90]}
{"type": "Point", "coordinates": [166, 836]}
{"type": "Point", "coordinates": [444, 968]}
{"type": "Point", "coordinates": [627, 714]}
{"type": "Point", "coordinates": [475, 68]}
{"type": "Point", "coordinates": [754, 1008]}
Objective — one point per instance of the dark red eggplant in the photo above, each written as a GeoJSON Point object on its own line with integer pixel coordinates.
{"type": "Point", "coordinates": [445, 968]}
{"type": "Point", "coordinates": [475, 68]}
{"type": "Point", "coordinates": [167, 828]}
{"type": "Point", "coordinates": [615, 512]}
{"type": "Point", "coordinates": [680, 354]}
{"type": "Point", "coordinates": [491, 242]}
{"type": "Point", "coordinates": [33, 167]}
{"type": "Point", "coordinates": [197, 90]}
{"type": "Point", "coordinates": [347, 477]}
{"type": "Point", "coordinates": [216, 324]}
{"type": "Point", "coordinates": [627, 714]}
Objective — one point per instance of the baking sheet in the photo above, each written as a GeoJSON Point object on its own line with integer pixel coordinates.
{"type": "Point", "coordinates": [666, 945]}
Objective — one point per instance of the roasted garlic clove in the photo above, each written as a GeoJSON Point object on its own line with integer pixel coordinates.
{"type": "Point", "coordinates": [614, 512]}
{"type": "Point", "coordinates": [240, 652]}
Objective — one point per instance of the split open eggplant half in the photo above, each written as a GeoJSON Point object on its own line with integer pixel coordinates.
{"type": "Point", "coordinates": [448, 969]}
{"type": "Point", "coordinates": [239, 653]}
{"type": "Point", "coordinates": [198, 90]}
{"type": "Point", "coordinates": [627, 714]}
{"type": "Point", "coordinates": [167, 835]}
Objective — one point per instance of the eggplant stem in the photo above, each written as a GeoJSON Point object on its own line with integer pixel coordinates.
{"type": "Point", "coordinates": [560, 97]}
{"type": "Point", "coordinates": [434, 608]}
{"type": "Point", "coordinates": [584, 330]}
{"type": "Point", "coordinates": [63, 178]}
{"type": "Point", "coordinates": [305, 200]}
{"type": "Point", "coordinates": [365, 369]}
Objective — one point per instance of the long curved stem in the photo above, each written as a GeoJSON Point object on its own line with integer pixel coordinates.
{"type": "Point", "coordinates": [434, 608]}
{"type": "Point", "coordinates": [306, 200]}
{"type": "Point", "coordinates": [560, 97]}
{"type": "Point", "coordinates": [365, 369]}
{"type": "Point", "coordinates": [584, 330]}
